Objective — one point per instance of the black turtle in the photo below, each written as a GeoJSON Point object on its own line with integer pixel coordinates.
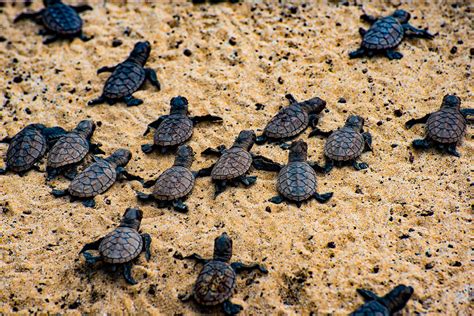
{"type": "Point", "coordinates": [127, 77]}
{"type": "Point", "coordinates": [386, 34]}
{"type": "Point", "coordinates": [388, 305]}
{"type": "Point", "coordinates": [28, 147]}
{"type": "Point", "coordinates": [445, 128]}
{"type": "Point", "coordinates": [346, 144]}
{"type": "Point", "coordinates": [216, 283]}
{"type": "Point", "coordinates": [175, 183]}
{"type": "Point", "coordinates": [59, 19]}
{"type": "Point", "coordinates": [176, 128]}
{"type": "Point", "coordinates": [122, 245]}
{"type": "Point", "coordinates": [292, 120]}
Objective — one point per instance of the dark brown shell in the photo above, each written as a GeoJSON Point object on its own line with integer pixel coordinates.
{"type": "Point", "coordinates": [344, 144]}
{"type": "Point", "coordinates": [384, 34]}
{"type": "Point", "coordinates": [122, 245]}
{"type": "Point", "coordinates": [215, 284]}
{"type": "Point", "coordinates": [289, 121]}
{"type": "Point", "coordinates": [174, 130]}
{"type": "Point", "coordinates": [26, 148]}
{"type": "Point", "coordinates": [446, 126]}
{"type": "Point", "coordinates": [174, 183]}
{"type": "Point", "coordinates": [61, 19]}
{"type": "Point", "coordinates": [297, 181]}
{"type": "Point", "coordinates": [94, 180]}
{"type": "Point", "coordinates": [68, 150]}
{"type": "Point", "coordinates": [235, 162]}
{"type": "Point", "coordinates": [125, 80]}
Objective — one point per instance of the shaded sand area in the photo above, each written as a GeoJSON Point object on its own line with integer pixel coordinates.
{"type": "Point", "coordinates": [407, 219]}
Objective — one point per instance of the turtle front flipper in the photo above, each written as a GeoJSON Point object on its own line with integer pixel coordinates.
{"type": "Point", "coordinates": [197, 258]}
{"type": "Point", "coordinates": [6, 140]}
{"type": "Point", "coordinates": [392, 54]}
{"type": "Point", "coordinates": [317, 132]}
{"type": "Point", "coordinates": [368, 18]}
{"type": "Point", "coordinates": [359, 165]}
{"type": "Point", "coordinates": [95, 149]}
{"type": "Point", "coordinates": [422, 143]}
{"type": "Point", "coordinates": [127, 273]}
{"type": "Point", "coordinates": [205, 118]}
{"type": "Point", "coordinates": [149, 148]}
{"type": "Point", "coordinates": [91, 246]}
{"type": "Point", "coordinates": [316, 167]}
{"type": "Point", "coordinates": [28, 16]}
{"type": "Point", "coordinates": [412, 31]}
{"type": "Point", "coordinates": [231, 308]}
{"type": "Point", "coordinates": [323, 198]}
{"type": "Point", "coordinates": [248, 181]}
{"type": "Point", "coordinates": [214, 151]}
{"type": "Point", "coordinates": [367, 295]}
{"type": "Point", "coordinates": [131, 101]}
{"type": "Point", "coordinates": [368, 141]}
{"type": "Point", "coordinates": [151, 76]}
{"type": "Point", "coordinates": [361, 52]}
{"type": "Point", "coordinates": [451, 149]}
{"type": "Point", "coordinates": [81, 8]}
{"type": "Point", "coordinates": [50, 39]}
{"type": "Point", "coordinates": [89, 202]}
{"type": "Point", "coordinates": [262, 139]}
{"type": "Point", "coordinates": [277, 199]}
{"type": "Point", "coordinates": [179, 206]}
{"type": "Point", "coordinates": [59, 193]}
{"type": "Point", "coordinates": [146, 246]}
{"type": "Point", "coordinates": [3, 171]}
{"type": "Point", "coordinates": [410, 123]}
{"type": "Point", "coordinates": [264, 163]}
{"type": "Point", "coordinates": [83, 37]}
{"type": "Point", "coordinates": [362, 31]}
{"type": "Point", "coordinates": [144, 197]}
{"type": "Point", "coordinates": [205, 172]}
{"type": "Point", "coordinates": [155, 124]}
{"type": "Point", "coordinates": [220, 187]}
{"type": "Point", "coordinates": [96, 101]}
{"type": "Point", "coordinates": [239, 267]}
{"type": "Point", "coordinates": [467, 112]}
{"type": "Point", "coordinates": [291, 99]}
{"type": "Point", "coordinates": [106, 69]}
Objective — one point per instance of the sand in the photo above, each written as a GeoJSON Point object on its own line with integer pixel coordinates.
{"type": "Point", "coordinates": [407, 219]}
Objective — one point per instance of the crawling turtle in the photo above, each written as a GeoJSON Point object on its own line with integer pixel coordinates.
{"type": "Point", "coordinates": [60, 20]}
{"type": "Point", "coordinates": [216, 283]}
{"type": "Point", "coordinates": [176, 128]}
{"type": "Point", "coordinates": [98, 177]}
{"type": "Point", "coordinates": [29, 146]}
{"type": "Point", "coordinates": [175, 183]}
{"type": "Point", "coordinates": [388, 305]}
{"type": "Point", "coordinates": [346, 144]}
{"type": "Point", "coordinates": [445, 128]}
{"type": "Point", "coordinates": [127, 77]}
{"type": "Point", "coordinates": [122, 245]}
{"type": "Point", "coordinates": [386, 34]}
{"type": "Point", "coordinates": [292, 120]}
{"type": "Point", "coordinates": [71, 149]}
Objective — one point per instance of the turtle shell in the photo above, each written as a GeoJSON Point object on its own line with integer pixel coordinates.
{"type": "Point", "coordinates": [174, 183]}
{"type": "Point", "coordinates": [372, 308]}
{"type": "Point", "coordinates": [94, 180]}
{"type": "Point", "coordinates": [26, 148]}
{"type": "Point", "coordinates": [297, 181]}
{"type": "Point", "coordinates": [68, 150]}
{"type": "Point", "coordinates": [344, 144]}
{"type": "Point", "coordinates": [125, 80]}
{"type": "Point", "coordinates": [289, 121]}
{"type": "Point", "coordinates": [385, 33]}
{"type": "Point", "coordinates": [446, 126]}
{"type": "Point", "coordinates": [215, 284]}
{"type": "Point", "coordinates": [62, 19]}
{"type": "Point", "coordinates": [233, 163]}
{"type": "Point", "coordinates": [173, 131]}
{"type": "Point", "coordinates": [122, 245]}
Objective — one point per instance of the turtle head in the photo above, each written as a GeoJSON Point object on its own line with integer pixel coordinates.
{"type": "Point", "coordinates": [298, 151]}
{"type": "Point", "coordinates": [401, 16]}
{"type": "Point", "coordinates": [397, 298]}
{"type": "Point", "coordinates": [355, 122]}
{"type": "Point", "coordinates": [85, 128]}
{"type": "Point", "coordinates": [50, 2]}
{"type": "Point", "coordinates": [451, 101]}
{"type": "Point", "coordinates": [245, 140]}
{"type": "Point", "coordinates": [120, 157]}
{"type": "Point", "coordinates": [132, 218]}
{"type": "Point", "coordinates": [179, 105]}
{"type": "Point", "coordinates": [184, 156]}
{"type": "Point", "coordinates": [140, 52]}
{"type": "Point", "coordinates": [223, 248]}
{"type": "Point", "coordinates": [313, 106]}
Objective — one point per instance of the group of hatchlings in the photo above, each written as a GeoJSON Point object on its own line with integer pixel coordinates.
{"type": "Point", "coordinates": [296, 181]}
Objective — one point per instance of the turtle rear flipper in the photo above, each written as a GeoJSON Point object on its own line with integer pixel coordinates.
{"type": "Point", "coordinates": [127, 273]}
{"type": "Point", "coordinates": [231, 308]}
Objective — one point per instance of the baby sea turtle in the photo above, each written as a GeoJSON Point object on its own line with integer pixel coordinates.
{"type": "Point", "coordinates": [388, 305]}
{"type": "Point", "coordinates": [59, 19]}
{"type": "Point", "coordinates": [386, 34]}
{"type": "Point", "coordinates": [98, 177]}
{"type": "Point", "coordinates": [122, 245]}
{"type": "Point", "coordinates": [29, 146]}
{"type": "Point", "coordinates": [175, 183]}
{"type": "Point", "coordinates": [444, 128]}
{"type": "Point", "coordinates": [71, 149]}
{"type": "Point", "coordinates": [292, 120]}
{"type": "Point", "coordinates": [346, 144]}
{"type": "Point", "coordinates": [216, 283]}
{"type": "Point", "coordinates": [127, 77]}
{"type": "Point", "coordinates": [176, 128]}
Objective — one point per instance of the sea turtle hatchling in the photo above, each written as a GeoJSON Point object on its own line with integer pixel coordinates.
{"type": "Point", "coordinates": [346, 144]}
{"type": "Point", "coordinates": [176, 128]}
{"type": "Point", "coordinates": [98, 177]}
{"type": "Point", "coordinates": [60, 20]}
{"type": "Point", "coordinates": [175, 183]}
{"type": "Point", "coordinates": [386, 34]}
{"type": "Point", "coordinates": [445, 128]}
{"type": "Point", "coordinates": [127, 77]}
{"type": "Point", "coordinates": [28, 146]}
{"type": "Point", "coordinates": [71, 149]}
{"type": "Point", "coordinates": [122, 245]}
{"type": "Point", "coordinates": [292, 120]}
{"type": "Point", "coordinates": [216, 283]}
{"type": "Point", "coordinates": [388, 305]}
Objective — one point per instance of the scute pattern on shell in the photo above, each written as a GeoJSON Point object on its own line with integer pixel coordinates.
{"type": "Point", "coordinates": [94, 180]}
{"type": "Point", "coordinates": [62, 19]}
{"type": "Point", "coordinates": [215, 284]}
{"type": "Point", "coordinates": [69, 149]}
{"type": "Point", "coordinates": [125, 80]}
{"type": "Point", "coordinates": [372, 308]}
{"type": "Point", "coordinates": [26, 148]}
{"type": "Point", "coordinates": [121, 245]}
{"type": "Point", "coordinates": [446, 126]}
{"type": "Point", "coordinates": [344, 144]}
{"type": "Point", "coordinates": [297, 181]}
{"type": "Point", "coordinates": [174, 183]}
{"type": "Point", "coordinates": [289, 121]}
{"type": "Point", "coordinates": [174, 130]}
{"type": "Point", "coordinates": [235, 162]}
{"type": "Point", "coordinates": [385, 33]}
